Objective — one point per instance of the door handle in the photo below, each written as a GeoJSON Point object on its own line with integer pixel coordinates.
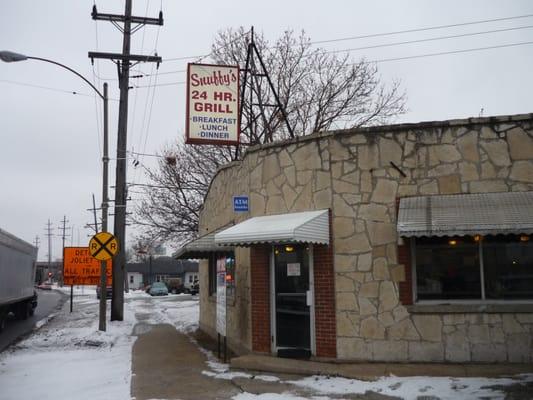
{"type": "Point", "coordinates": [309, 298]}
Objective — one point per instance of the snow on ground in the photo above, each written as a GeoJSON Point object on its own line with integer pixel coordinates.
{"type": "Point", "coordinates": [412, 387]}
{"type": "Point", "coordinates": [67, 357]}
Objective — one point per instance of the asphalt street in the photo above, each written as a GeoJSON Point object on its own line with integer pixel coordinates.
{"type": "Point", "coordinates": [47, 302]}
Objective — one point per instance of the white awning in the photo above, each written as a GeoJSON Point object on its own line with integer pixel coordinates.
{"type": "Point", "coordinates": [303, 227]}
{"type": "Point", "coordinates": [201, 247]}
{"type": "Point", "coordinates": [466, 214]}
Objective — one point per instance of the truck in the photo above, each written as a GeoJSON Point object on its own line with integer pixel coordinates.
{"type": "Point", "coordinates": [17, 275]}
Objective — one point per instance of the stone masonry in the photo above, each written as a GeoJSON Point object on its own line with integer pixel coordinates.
{"type": "Point", "coordinates": [358, 175]}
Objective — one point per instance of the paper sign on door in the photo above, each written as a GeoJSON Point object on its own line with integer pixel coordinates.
{"type": "Point", "coordinates": [293, 269]}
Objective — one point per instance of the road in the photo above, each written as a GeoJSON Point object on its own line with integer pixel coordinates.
{"type": "Point", "coordinates": [47, 302]}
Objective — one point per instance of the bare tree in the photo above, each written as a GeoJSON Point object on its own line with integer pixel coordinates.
{"type": "Point", "coordinates": [319, 90]}
{"type": "Point", "coordinates": [171, 204]}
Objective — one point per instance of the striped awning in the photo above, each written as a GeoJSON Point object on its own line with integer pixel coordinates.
{"type": "Point", "coordinates": [466, 214]}
{"type": "Point", "coordinates": [303, 227]}
{"type": "Point", "coordinates": [201, 247]}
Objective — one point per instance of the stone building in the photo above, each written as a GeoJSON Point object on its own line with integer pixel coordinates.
{"type": "Point", "coordinates": [407, 242]}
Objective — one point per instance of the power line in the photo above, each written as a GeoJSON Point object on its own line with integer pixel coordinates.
{"type": "Point", "coordinates": [201, 57]}
{"type": "Point", "coordinates": [45, 87]}
{"type": "Point", "coordinates": [451, 52]}
{"type": "Point", "coordinates": [97, 109]}
{"type": "Point", "coordinates": [50, 88]}
{"type": "Point", "coordinates": [186, 57]}
{"type": "Point", "coordinates": [485, 21]}
{"type": "Point", "coordinates": [146, 131]}
{"type": "Point", "coordinates": [142, 51]}
{"type": "Point", "coordinates": [146, 154]}
{"type": "Point", "coordinates": [388, 44]}
{"type": "Point", "coordinates": [160, 84]}
{"type": "Point", "coordinates": [372, 35]}
{"type": "Point", "coordinates": [397, 58]}
{"type": "Point", "coordinates": [429, 39]}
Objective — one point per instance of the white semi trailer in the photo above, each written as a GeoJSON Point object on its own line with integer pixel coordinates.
{"type": "Point", "coordinates": [17, 276]}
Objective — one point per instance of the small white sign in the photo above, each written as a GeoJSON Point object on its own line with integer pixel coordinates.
{"type": "Point", "coordinates": [293, 269]}
{"type": "Point", "coordinates": [221, 296]}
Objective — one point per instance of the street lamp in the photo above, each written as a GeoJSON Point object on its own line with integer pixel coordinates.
{"type": "Point", "coordinates": [9, 56]}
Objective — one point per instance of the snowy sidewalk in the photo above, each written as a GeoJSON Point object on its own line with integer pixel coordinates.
{"type": "Point", "coordinates": [166, 364]}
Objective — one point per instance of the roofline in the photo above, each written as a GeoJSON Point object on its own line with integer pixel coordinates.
{"type": "Point", "coordinates": [450, 123]}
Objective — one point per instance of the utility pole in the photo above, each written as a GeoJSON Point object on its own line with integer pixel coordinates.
{"type": "Point", "coordinates": [123, 63]}
{"type": "Point", "coordinates": [64, 229]}
{"type": "Point", "coordinates": [37, 241]}
{"type": "Point", "coordinates": [105, 205]}
{"type": "Point", "coordinates": [38, 272]}
{"type": "Point", "coordinates": [49, 235]}
{"type": "Point", "coordinates": [63, 235]}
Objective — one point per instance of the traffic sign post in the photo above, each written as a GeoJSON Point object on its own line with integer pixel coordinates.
{"type": "Point", "coordinates": [103, 246]}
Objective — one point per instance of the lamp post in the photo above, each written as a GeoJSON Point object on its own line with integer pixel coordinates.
{"type": "Point", "coordinates": [9, 56]}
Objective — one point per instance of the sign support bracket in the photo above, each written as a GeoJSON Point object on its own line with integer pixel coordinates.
{"type": "Point", "coordinates": [252, 82]}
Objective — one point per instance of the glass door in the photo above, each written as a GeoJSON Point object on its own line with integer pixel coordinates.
{"type": "Point", "coordinates": [292, 299]}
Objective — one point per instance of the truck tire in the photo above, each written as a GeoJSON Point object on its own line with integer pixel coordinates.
{"type": "Point", "coordinates": [23, 310]}
{"type": "Point", "coordinates": [31, 310]}
{"type": "Point", "coordinates": [2, 322]}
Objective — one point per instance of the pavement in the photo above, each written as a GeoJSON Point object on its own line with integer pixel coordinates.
{"type": "Point", "coordinates": [167, 364]}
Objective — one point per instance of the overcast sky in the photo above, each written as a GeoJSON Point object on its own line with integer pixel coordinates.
{"type": "Point", "coordinates": [50, 157]}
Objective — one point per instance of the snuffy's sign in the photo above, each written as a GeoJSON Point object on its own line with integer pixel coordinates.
{"type": "Point", "coordinates": [212, 104]}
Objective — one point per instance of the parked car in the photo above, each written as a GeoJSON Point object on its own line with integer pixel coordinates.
{"type": "Point", "coordinates": [108, 292]}
{"type": "Point", "coordinates": [45, 286]}
{"type": "Point", "coordinates": [158, 289]}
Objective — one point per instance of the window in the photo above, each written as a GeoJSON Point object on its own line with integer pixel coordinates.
{"type": "Point", "coordinates": [230, 273]}
{"type": "Point", "coordinates": [212, 273]}
{"type": "Point", "coordinates": [508, 267]}
{"type": "Point", "coordinates": [230, 278]}
{"type": "Point", "coordinates": [190, 278]}
{"type": "Point", "coordinates": [474, 268]}
{"type": "Point", "coordinates": [131, 278]}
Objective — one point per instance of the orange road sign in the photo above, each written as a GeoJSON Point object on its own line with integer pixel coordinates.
{"type": "Point", "coordinates": [80, 268]}
{"type": "Point", "coordinates": [103, 246]}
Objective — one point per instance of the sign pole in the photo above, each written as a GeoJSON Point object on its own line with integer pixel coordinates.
{"type": "Point", "coordinates": [71, 296]}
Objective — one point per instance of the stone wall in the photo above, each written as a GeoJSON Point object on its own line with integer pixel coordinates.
{"type": "Point", "coordinates": [359, 174]}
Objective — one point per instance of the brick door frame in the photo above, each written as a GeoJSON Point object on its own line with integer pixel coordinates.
{"type": "Point", "coordinates": [312, 309]}
{"type": "Point", "coordinates": [323, 291]}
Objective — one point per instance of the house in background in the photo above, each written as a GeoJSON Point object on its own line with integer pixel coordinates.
{"type": "Point", "coordinates": [135, 280]}
{"type": "Point", "coordinates": [158, 269]}
{"type": "Point", "coordinates": [190, 278]}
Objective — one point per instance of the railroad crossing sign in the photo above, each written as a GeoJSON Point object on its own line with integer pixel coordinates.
{"type": "Point", "coordinates": [103, 246]}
